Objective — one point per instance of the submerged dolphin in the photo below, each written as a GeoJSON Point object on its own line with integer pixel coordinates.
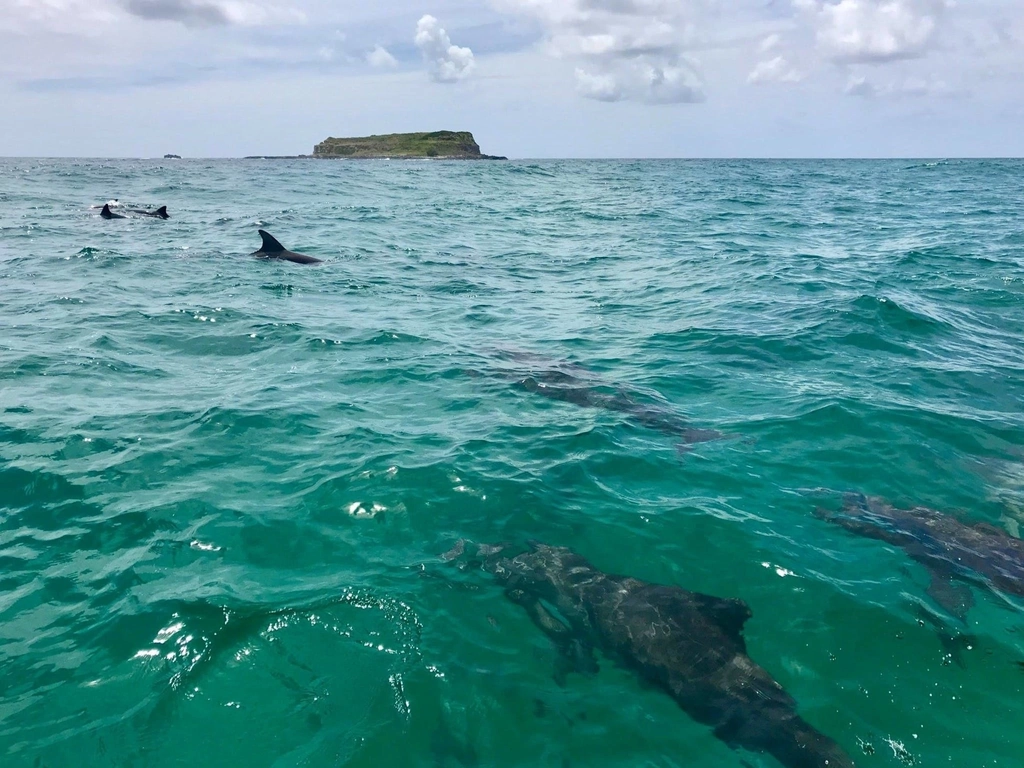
{"type": "Point", "coordinates": [688, 644]}
{"type": "Point", "coordinates": [978, 553]}
{"type": "Point", "coordinates": [572, 383]}
{"type": "Point", "coordinates": [106, 213]}
{"type": "Point", "coordinates": [271, 249]}
{"type": "Point", "coordinates": [159, 213]}
{"type": "Point", "coordinates": [557, 385]}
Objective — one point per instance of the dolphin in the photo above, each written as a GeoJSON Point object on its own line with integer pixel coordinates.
{"type": "Point", "coordinates": [572, 383]}
{"type": "Point", "coordinates": [567, 388]}
{"type": "Point", "coordinates": [688, 644]}
{"type": "Point", "coordinates": [106, 213]}
{"type": "Point", "coordinates": [956, 554]}
{"type": "Point", "coordinates": [159, 213]}
{"type": "Point", "coordinates": [271, 249]}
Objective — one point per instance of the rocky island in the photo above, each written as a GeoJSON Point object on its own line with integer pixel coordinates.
{"type": "Point", "coordinates": [451, 145]}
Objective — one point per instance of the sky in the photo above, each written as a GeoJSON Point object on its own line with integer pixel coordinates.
{"type": "Point", "coordinates": [530, 78]}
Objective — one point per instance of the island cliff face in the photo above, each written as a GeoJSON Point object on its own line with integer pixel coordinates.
{"type": "Point", "coordinates": [440, 144]}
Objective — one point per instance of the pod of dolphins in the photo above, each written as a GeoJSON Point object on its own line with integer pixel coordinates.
{"type": "Point", "coordinates": [688, 644]}
{"type": "Point", "coordinates": [270, 249]}
{"type": "Point", "coordinates": [159, 213]}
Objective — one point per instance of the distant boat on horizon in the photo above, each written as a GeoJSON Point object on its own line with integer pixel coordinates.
{"type": "Point", "coordinates": [172, 157]}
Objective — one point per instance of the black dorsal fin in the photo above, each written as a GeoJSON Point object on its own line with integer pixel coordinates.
{"type": "Point", "coordinates": [270, 244]}
{"type": "Point", "coordinates": [162, 212]}
{"type": "Point", "coordinates": [730, 614]}
{"type": "Point", "coordinates": [106, 209]}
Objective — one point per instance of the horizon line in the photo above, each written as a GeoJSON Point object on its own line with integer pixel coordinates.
{"type": "Point", "coordinates": [938, 158]}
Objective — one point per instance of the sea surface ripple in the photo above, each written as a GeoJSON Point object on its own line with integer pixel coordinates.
{"type": "Point", "coordinates": [225, 483]}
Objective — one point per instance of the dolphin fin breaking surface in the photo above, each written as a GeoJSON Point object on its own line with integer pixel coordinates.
{"type": "Point", "coordinates": [159, 213]}
{"type": "Point", "coordinates": [270, 243]}
{"type": "Point", "coordinates": [272, 249]}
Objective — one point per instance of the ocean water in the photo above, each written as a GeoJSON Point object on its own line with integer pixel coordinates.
{"type": "Point", "coordinates": [225, 483]}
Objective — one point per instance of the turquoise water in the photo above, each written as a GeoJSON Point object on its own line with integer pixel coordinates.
{"type": "Point", "coordinates": [225, 483]}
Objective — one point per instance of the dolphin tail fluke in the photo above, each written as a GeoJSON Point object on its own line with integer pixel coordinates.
{"type": "Point", "coordinates": [270, 244]}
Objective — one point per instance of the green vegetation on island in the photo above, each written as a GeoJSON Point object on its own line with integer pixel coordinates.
{"type": "Point", "coordinates": [440, 144]}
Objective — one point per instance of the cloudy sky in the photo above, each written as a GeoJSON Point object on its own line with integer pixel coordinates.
{"type": "Point", "coordinates": [530, 78]}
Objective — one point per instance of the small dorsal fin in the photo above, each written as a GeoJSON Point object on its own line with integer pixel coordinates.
{"type": "Point", "coordinates": [270, 244]}
{"type": "Point", "coordinates": [106, 209]}
{"type": "Point", "coordinates": [730, 614]}
{"type": "Point", "coordinates": [162, 212]}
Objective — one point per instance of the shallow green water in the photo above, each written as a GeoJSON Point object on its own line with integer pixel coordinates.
{"type": "Point", "coordinates": [225, 483]}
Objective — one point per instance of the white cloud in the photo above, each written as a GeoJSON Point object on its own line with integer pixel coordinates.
{"type": "Point", "coordinates": [199, 13]}
{"type": "Point", "coordinates": [775, 70]}
{"type": "Point", "coordinates": [919, 86]}
{"type": "Point", "coordinates": [668, 83]}
{"type": "Point", "coordinates": [770, 43]}
{"type": "Point", "coordinates": [642, 79]}
{"type": "Point", "coordinates": [447, 63]}
{"type": "Point", "coordinates": [859, 86]}
{"type": "Point", "coordinates": [905, 88]}
{"type": "Point", "coordinates": [26, 16]}
{"type": "Point", "coordinates": [88, 17]}
{"type": "Point", "coordinates": [626, 50]}
{"type": "Point", "coordinates": [380, 57]}
{"type": "Point", "coordinates": [874, 31]}
{"type": "Point", "coordinates": [600, 87]}
{"type": "Point", "coordinates": [188, 12]}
